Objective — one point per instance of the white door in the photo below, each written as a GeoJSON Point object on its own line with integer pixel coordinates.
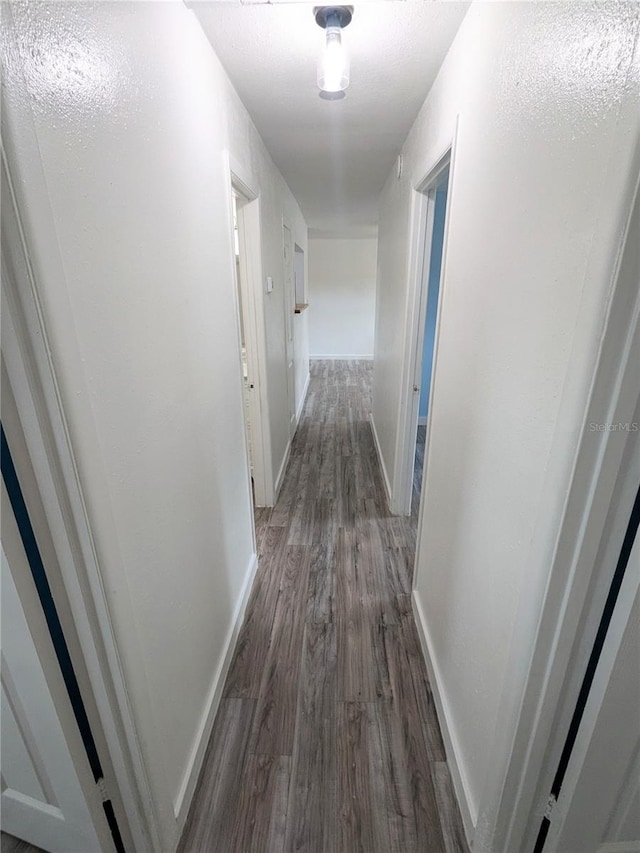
{"type": "Point", "coordinates": [42, 799]}
{"type": "Point", "coordinates": [289, 308]}
{"type": "Point", "coordinates": [599, 804]}
{"type": "Point", "coordinates": [245, 330]}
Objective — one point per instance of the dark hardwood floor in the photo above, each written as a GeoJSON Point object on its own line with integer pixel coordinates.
{"type": "Point", "coordinates": [9, 844]}
{"type": "Point", "coordinates": [326, 740]}
{"type": "Point", "coordinates": [417, 472]}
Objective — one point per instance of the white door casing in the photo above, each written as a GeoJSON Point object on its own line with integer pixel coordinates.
{"type": "Point", "coordinates": [37, 407]}
{"type": "Point", "coordinates": [421, 233]}
{"type": "Point", "coordinates": [42, 797]}
{"type": "Point", "coordinates": [599, 804]}
{"type": "Point", "coordinates": [289, 307]}
{"type": "Point", "coordinates": [253, 310]}
{"type": "Point", "coordinates": [535, 704]}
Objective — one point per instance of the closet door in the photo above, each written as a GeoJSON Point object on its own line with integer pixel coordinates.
{"type": "Point", "coordinates": [42, 798]}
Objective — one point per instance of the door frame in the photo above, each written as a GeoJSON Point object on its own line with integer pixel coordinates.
{"type": "Point", "coordinates": [37, 611]}
{"type": "Point", "coordinates": [535, 691]}
{"type": "Point", "coordinates": [289, 303]}
{"type": "Point", "coordinates": [420, 236]}
{"type": "Point", "coordinates": [252, 307]}
{"type": "Point", "coordinates": [626, 601]}
{"type": "Point", "coordinates": [38, 408]}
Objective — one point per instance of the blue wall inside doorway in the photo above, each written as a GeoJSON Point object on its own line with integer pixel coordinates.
{"type": "Point", "coordinates": [435, 266]}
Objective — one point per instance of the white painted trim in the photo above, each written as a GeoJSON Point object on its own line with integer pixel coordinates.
{"type": "Point", "coordinates": [420, 237]}
{"type": "Point", "coordinates": [27, 353]}
{"type": "Point", "coordinates": [47, 701]}
{"type": "Point", "coordinates": [383, 467]}
{"type": "Point", "coordinates": [283, 470]}
{"type": "Point", "coordinates": [625, 605]}
{"type": "Point", "coordinates": [627, 802]}
{"type": "Point", "coordinates": [214, 696]}
{"type": "Point", "coordinates": [287, 454]}
{"type": "Point", "coordinates": [620, 847]}
{"type": "Point", "coordinates": [243, 179]}
{"type": "Point", "coordinates": [250, 396]}
{"type": "Point", "coordinates": [333, 357]}
{"type": "Point", "coordinates": [420, 229]}
{"type": "Point", "coordinates": [530, 703]}
{"type": "Point", "coordinates": [288, 305]}
{"type": "Point", "coordinates": [303, 398]}
{"type": "Point", "coordinates": [461, 786]}
{"type": "Point", "coordinates": [252, 295]}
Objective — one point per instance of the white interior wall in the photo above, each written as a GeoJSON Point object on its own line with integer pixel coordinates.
{"type": "Point", "coordinates": [342, 294]}
{"type": "Point", "coordinates": [546, 102]}
{"type": "Point", "coordinates": [116, 119]}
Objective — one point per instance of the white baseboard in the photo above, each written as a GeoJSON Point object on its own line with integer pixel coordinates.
{"type": "Point", "coordinates": [422, 421]}
{"type": "Point", "coordinates": [451, 744]}
{"type": "Point", "coordinates": [303, 398]}
{"type": "Point", "coordinates": [383, 467]}
{"type": "Point", "coordinates": [281, 472]}
{"type": "Point", "coordinates": [346, 357]}
{"type": "Point", "coordinates": [194, 764]}
{"type": "Point", "coordinates": [287, 453]}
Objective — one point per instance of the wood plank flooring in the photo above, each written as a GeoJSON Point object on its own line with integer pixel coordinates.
{"type": "Point", "coordinates": [417, 472]}
{"type": "Point", "coordinates": [10, 844]}
{"type": "Point", "coordinates": [327, 739]}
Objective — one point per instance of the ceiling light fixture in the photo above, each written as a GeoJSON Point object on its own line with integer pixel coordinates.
{"type": "Point", "coordinates": [333, 67]}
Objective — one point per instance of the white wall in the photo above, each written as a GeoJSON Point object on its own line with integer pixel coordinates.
{"type": "Point", "coordinates": [342, 295]}
{"type": "Point", "coordinates": [117, 119]}
{"type": "Point", "coordinates": [546, 96]}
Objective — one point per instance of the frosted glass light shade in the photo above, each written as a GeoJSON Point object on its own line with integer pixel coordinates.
{"type": "Point", "coordinates": [333, 67]}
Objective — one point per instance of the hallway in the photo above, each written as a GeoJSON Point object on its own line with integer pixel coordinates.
{"type": "Point", "coordinates": [327, 738]}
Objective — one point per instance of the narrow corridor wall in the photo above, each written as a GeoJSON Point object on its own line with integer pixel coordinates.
{"type": "Point", "coordinates": [342, 293]}
{"type": "Point", "coordinates": [544, 99]}
{"type": "Point", "coordinates": [119, 123]}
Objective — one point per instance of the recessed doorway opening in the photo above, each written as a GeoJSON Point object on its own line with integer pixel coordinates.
{"type": "Point", "coordinates": [438, 197]}
{"type": "Point", "coordinates": [248, 278]}
{"type": "Point", "coordinates": [430, 218]}
{"type": "Point", "coordinates": [247, 386]}
{"type": "Point", "coordinates": [300, 281]}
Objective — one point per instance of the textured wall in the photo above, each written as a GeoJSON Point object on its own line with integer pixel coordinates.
{"type": "Point", "coordinates": [546, 100]}
{"type": "Point", "coordinates": [118, 116]}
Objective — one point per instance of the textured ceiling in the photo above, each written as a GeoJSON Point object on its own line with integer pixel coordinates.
{"type": "Point", "coordinates": [335, 155]}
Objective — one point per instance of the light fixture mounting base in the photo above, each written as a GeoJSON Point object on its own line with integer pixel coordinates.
{"type": "Point", "coordinates": [333, 16]}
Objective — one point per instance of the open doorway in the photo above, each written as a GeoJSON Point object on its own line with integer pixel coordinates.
{"type": "Point", "coordinates": [432, 243]}
{"type": "Point", "coordinates": [289, 259]}
{"type": "Point", "coordinates": [238, 202]}
{"type": "Point", "coordinates": [248, 277]}
{"type": "Point", "coordinates": [301, 285]}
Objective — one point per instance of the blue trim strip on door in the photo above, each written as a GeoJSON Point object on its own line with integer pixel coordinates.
{"type": "Point", "coordinates": [41, 582]}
